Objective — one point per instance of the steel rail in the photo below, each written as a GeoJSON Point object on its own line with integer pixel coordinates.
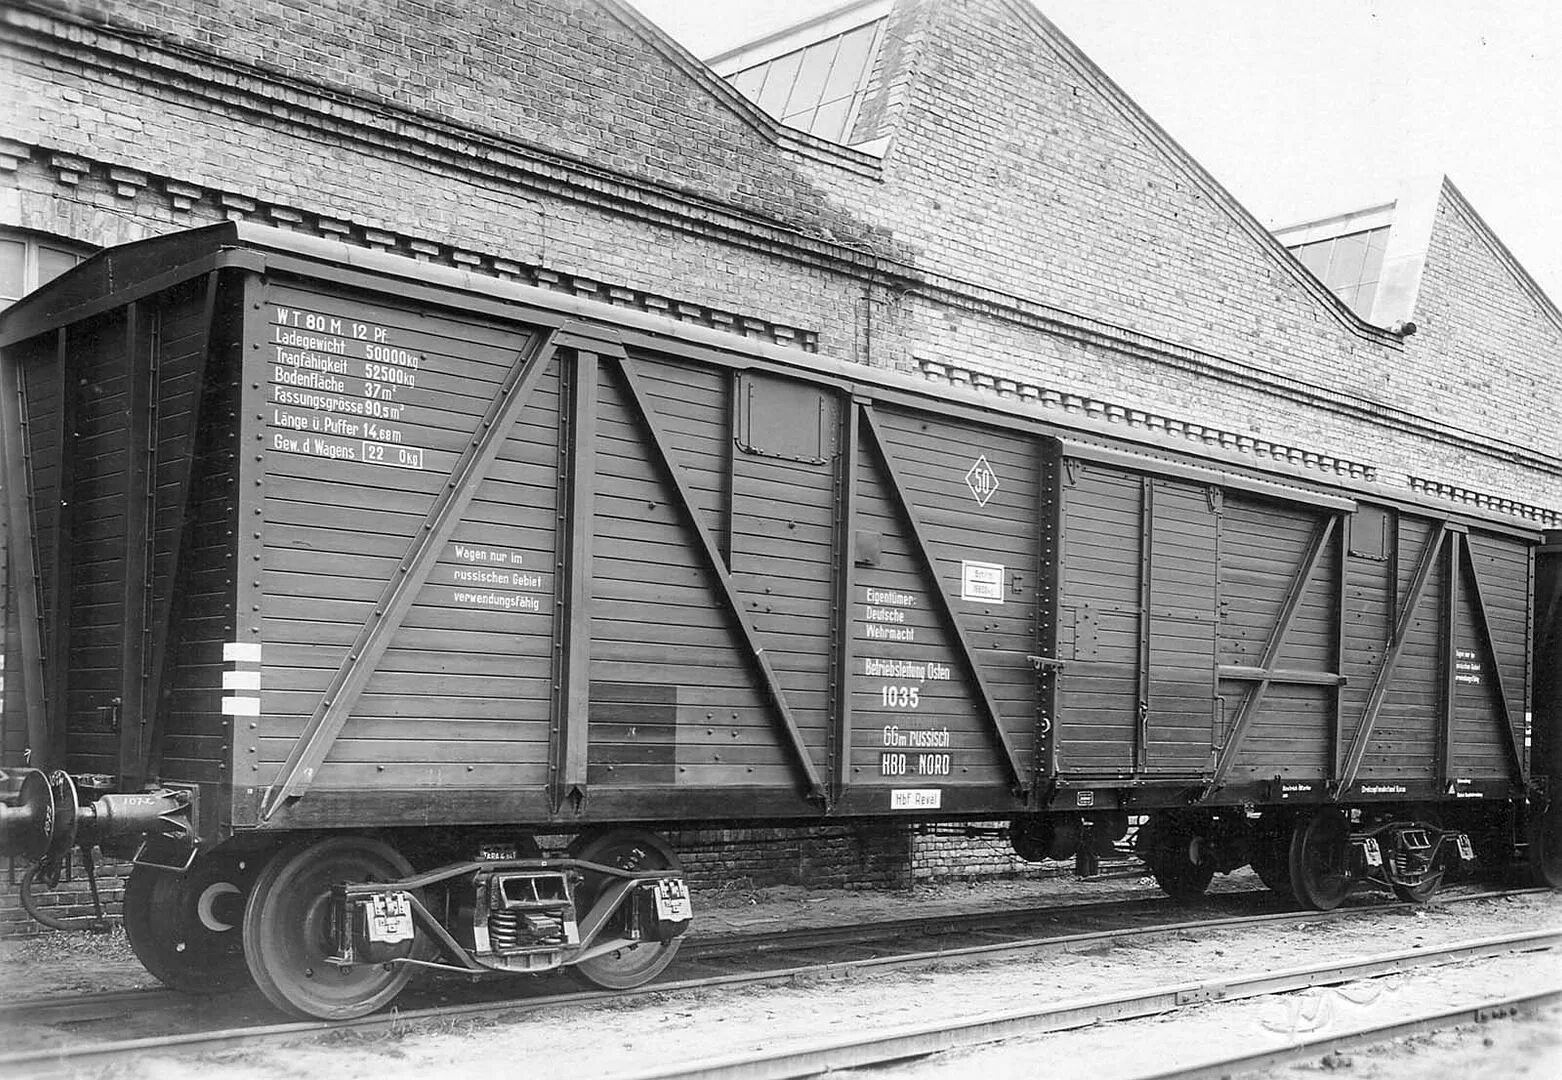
{"type": "Point", "coordinates": [1360, 1038]}
{"type": "Point", "coordinates": [710, 947]}
{"type": "Point", "coordinates": [77, 1007]}
{"type": "Point", "coordinates": [921, 1040]}
{"type": "Point", "coordinates": [716, 948]}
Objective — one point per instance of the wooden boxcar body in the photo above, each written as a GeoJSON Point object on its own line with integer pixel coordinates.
{"type": "Point", "coordinates": [325, 541]}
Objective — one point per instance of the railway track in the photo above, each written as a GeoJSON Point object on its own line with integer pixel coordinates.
{"type": "Point", "coordinates": [171, 1022]}
{"type": "Point", "coordinates": [916, 1041]}
{"type": "Point", "coordinates": [921, 933]}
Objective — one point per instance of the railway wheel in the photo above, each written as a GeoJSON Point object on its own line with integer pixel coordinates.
{"type": "Point", "coordinates": [1545, 848]}
{"type": "Point", "coordinates": [1425, 889]}
{"type": "Point", "coordinates": [1179, 859]}
{"type": "Point", "coordinates": [1320, 845]}
{"type": "Point", "coordinates": [1421, 893]}
{"type": "Point", "coordinates": [184, 927]}
{"type": "Point", "coordinates": [636, 962]}
{"type": "Point", "coordinates": [1271, 860]}
{"type": "Point", "coordinates": [287, 929]}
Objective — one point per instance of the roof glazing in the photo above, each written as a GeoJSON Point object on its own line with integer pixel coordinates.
{"type": "Point", "coordinates": [812, 77]}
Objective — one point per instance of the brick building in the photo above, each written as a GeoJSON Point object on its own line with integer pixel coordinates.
{"type": "Point", "coordinates": [962, 194]}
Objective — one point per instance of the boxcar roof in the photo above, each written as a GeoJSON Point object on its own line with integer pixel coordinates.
{"type": "Point", "coordinates": [121, 275]}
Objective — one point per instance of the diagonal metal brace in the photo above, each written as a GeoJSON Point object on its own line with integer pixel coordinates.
{"type": "Point", "coordinates": [1505, 701]}
{"type": "Point", "coordinates": [1008, 755]}
{"type": "Point", "coordinates": [728, 590]}
{"type": "Point", "coordinates": [1323, 532]}
{"type": "Point", "coordinates": [1385, 676]}
{"type": "Point", "coordinates": [363, 656]}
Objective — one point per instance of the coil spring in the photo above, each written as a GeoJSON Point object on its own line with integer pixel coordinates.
{"type": "Point", "coordinates": [1409, 865]}
{"type": "Point", "coordinates": [504, 930]}
{"type": "Point", "coordinates": [512, 930]}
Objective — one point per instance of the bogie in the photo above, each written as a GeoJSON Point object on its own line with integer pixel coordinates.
{"type": "Point", "coordinates": [336, 926]}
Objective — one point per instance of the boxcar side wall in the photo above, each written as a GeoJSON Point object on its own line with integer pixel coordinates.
{"type": "Point", "coordinates": [636, 605]}
{"type": "Point", "coordinates": [506, 571]}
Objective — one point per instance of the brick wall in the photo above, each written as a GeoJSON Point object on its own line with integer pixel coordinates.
{"type": "Point", "coordinates": [1486, 354]}
{"type": "Point", "coordinates": [1021, 189]}
{"type": "Point", "coordinates": [572, 80]}
{"type": "Point", "coordinates": [71, 899]}
{"type": "Point", "coordinates": [826, 856]}
{"type": "Point", "coordinates": [953, 857]}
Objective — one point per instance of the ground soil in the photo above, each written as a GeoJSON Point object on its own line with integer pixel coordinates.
{"type": "Point", "coordinates": [633, 1034]}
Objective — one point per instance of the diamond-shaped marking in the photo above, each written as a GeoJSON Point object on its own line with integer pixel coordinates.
{"type": "Point", "coordinates": [982, 481]}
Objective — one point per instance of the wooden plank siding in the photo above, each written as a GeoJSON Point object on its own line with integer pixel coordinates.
{"type": "Point", "coordinates": [475, 646]}
{"type": "Point", "coordinates": [197, 515]}
{"type": "Point", "coordinates": [1099, 690]}
{"type": "Point", "coordinates": [931, 699]}
{"type": "Point", "coordinates": [662, 640]}
{"type": "Point", "coordinates": [1178, 731]}
{"type": "Point", "coordinates": [1265, 548]}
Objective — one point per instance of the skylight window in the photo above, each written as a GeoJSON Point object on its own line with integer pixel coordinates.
{"type": "Point", "coordinates": [1349, 265]}
{"type": "Point", "coordinates": [814, 77]}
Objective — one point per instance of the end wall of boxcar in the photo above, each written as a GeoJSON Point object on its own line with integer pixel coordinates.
{"type": "Point", "coordinates": [125, 575]}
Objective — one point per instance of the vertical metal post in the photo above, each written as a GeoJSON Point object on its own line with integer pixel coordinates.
{"type": "Point", "coordinates": [20, 525]}
{"type": "Point", "coordinates": [843, 657]}
{"type": "Point", "coordinates": [1341, 628]}
{"type": "Point", "coordinates": [574, 695]}
{"type": "Point", "coordinates": [1049, 606]}
{"type": "Point", "coordinates": [727, 538]}
{"type": "Point", "coordinates": [1450, 642]}
{"type": "Point", "coordinates": [6, 588]}
{"type": "Point", "coordinates": [56, 651]}
{"type": "Point", "coordinates": [138, 489]}
{"type": "Point", "coordinates": [1146, 593]}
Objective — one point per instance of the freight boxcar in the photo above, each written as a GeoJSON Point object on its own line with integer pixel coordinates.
{"type": "Point", "coordinates": [338, 578]}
